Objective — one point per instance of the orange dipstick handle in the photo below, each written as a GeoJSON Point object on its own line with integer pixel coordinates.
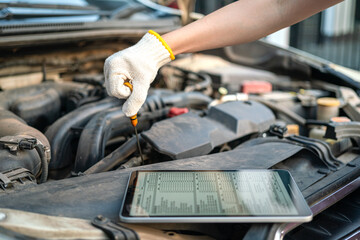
{"type": "Point", "coordinates": [133, 119]}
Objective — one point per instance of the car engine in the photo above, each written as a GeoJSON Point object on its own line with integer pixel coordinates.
{"type": "Point", "coordinates": [66, 148]}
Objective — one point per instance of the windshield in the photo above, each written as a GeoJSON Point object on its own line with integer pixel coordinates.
{"type": "Point", "coordinates": [63, 3]}
{"type": "Point", "coordinates": [33, 16]}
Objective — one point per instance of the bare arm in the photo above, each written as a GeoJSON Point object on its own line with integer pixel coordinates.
{"type": "Point", "coordinates": [242, 21]}
{"type": "Point", "coordinates": [239, 22]}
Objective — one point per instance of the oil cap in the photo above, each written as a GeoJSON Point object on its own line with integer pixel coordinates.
{"type": "Point", "coordinates": [327, 108]}
{"type": "Point", "coordinates": [328, 102]}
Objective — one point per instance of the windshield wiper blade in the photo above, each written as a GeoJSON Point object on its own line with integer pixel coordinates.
{"type": "Point", "coordinates": [17, 12]}
{"type": "Point", "coordinates": [5, 4]}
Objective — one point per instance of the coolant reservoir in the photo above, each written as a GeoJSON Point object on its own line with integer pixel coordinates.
{"type": "Point", "coordinates": [317, 132]}
{"type": "Point", "coordinates": [327, 108]}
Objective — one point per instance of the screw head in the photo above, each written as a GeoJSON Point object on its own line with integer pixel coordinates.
{"type": "Point", "coordinates": [2, 216]}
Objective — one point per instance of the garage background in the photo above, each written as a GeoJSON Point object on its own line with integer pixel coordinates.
{"type": "Point", "coordinates": [333, 34]}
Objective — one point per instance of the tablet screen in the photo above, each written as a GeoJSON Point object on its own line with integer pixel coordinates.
{"type": "Point", "coordinates": [211, 193]}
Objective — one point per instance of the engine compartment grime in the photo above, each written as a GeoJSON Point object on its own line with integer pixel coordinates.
{"type": "Point", "coordinates": [66, 147]}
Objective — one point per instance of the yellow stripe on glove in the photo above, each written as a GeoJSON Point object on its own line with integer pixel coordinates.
{"type": "Point", "coordinates": [172, 57]}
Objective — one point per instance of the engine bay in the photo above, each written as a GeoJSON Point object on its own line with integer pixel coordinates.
{"type": "Point", "coordinates": [67, 148]}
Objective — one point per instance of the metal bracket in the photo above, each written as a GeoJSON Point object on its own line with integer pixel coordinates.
{"type": "Point", "coordinates": [4, 180]}
{"type": "Point", "coordinates": [7, 178]}
{"type": "Point", "coordinates": [342, 130]}
{"type": "Point", "coordinates": [321, 149]}
{"type": "Point", "coordinates": [278, 130]}
{"type": "Point", "coordinates": [114, 230]}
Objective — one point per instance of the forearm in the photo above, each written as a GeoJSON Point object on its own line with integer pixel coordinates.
{"type": "Point", "coordinates": [240, 22]}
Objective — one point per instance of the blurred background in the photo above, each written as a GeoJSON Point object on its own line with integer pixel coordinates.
{"type": "Point", "coordinates": [333, 34]}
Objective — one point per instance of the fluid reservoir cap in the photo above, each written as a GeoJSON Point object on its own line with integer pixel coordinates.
{"type": "Point", "coordinates": [328, 102]}
{"type": "Point", "coordinates": [293, 129]}
{"type": "Point", "coordinates": [174, 111]}
{"type": "Point", "coordinates": [340, 119]}
{"type": "Point", "coordinates": [256, 87]}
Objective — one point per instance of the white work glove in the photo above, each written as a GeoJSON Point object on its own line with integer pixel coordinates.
{"type": "Point", "coordinates": [138, 65]}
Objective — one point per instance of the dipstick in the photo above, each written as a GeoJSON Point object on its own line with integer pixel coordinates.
{"type": "Point", "coordinates": [134, 122]}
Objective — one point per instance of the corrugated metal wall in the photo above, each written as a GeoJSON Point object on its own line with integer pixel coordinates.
{"type": "Point", "coordinates": [333, 34]}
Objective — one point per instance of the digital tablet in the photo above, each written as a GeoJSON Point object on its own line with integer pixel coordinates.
{"type": "Point", "coordinates": [157, 196]}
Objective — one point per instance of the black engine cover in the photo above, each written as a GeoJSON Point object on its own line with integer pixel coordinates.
{"type": "Point", "coordinates": [190, 135]}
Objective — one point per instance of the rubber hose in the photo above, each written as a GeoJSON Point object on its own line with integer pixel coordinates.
{"type": "Point", "coordinates": [106, 125]}
{"type": "Point", "coordinates": [8, 97]}
{"type": "Point", "coordinates": [116, 157]}
{"type": "Point", "coordinates": [187, 99]}
{"type": "Point", "coordinates": [61, 133]}
{"type": "Point", "coordinates": [12, 125]}
{"type": "Point", "coordinates": [44, 164]}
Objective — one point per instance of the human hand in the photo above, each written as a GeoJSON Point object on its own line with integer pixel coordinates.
{"type": "Point", "coordinates": [138, 65]}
